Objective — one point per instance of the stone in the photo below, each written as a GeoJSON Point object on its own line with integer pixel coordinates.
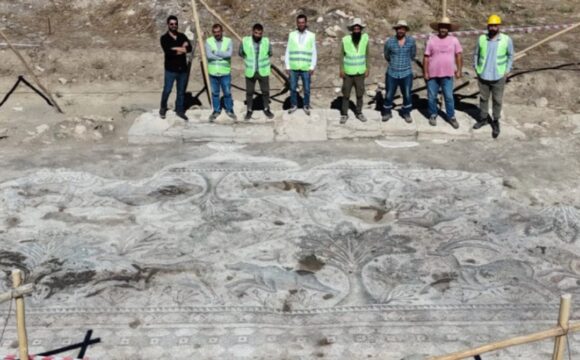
{"type": "Point", "coordinates": [507, 131]}
{"type": "Point", "coordinates": [353, 128]}
{"type": "Point", "coordinates": [18, 108]}
{"type": "Point", "coordinates": [62, 81]}
{"type": "Point", "coordinates": [320, 19]}
{"type": "Point", "coordinates": [541, 102]}
{"type": "Point", "coordinates": [42, 128]}
{"type": "Point", "coordinates": [341, 13]}
{"type": "Point", "coordinates": [444, 130]}
{"type": "Point", "coordinates": [396, 144]}
{"type": "Point", "coordinates": [337, 29]}
{"type": "Point", "coordinates": [80, 130]}
{"type": "Point", "coordinates": [149, 128]}
{"type": "Point", "coordinates": [330, 32]}
{"type": "Point", "coordinates": [396, 127]}
{"type": "Point", "coordinates": [97, 135]}
{"type": "Point", "coordinates": [301, 127]}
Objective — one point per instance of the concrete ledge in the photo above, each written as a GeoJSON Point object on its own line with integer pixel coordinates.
{"type": "Point", "coordinates": [321, 125]}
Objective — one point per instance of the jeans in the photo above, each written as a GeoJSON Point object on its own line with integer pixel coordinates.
{"type": "Point", "coordinates": [264, 88]}
{"type": "Point", "coordinates": [358, 81]}
{"type": "Point", "coordinates": [170, 78]}
{"type": "Point", "coordinates": [495, 89]}
{"type": "Point", "coordinates": [405, 84]}
{"type": "Point", "coordinates": [294, 75]}
{"type": "Point", "coordinates": [225, 83]}
{"type": "Point", "coordinates": [433, 86]}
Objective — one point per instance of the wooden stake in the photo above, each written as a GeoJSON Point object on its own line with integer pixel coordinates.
{"type": "Point", "coordinates": [29, 69]}
{"type": "Point", "coordinates": [20, 316]}
{"type": "Point", "coordinates": [563, 318]}
{"type": "Point", "coordinates": [201, 43]}
{"type": "Point", "coordinates": [444, 8]}
{"type": "Point", "coordinates": [523, 52]}
{"type": "Point", "coordinates": [22, 290]}
{"type": "Point", "coordinates": [233, 32]}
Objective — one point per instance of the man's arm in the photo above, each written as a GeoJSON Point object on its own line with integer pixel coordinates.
{"type": "Point", "coordinates": [510, 61]}
{"type": "Point", "coordinates": [368, 60]}
{"type": "Point", "coordinates": [459, 65]}
{"type": "Point", "coordinates": [287, 55]}
{"type": "Point", "coordinates": [413, 49]}
{"type": "Point", "coordinates": [476, 55]}
{"type": "Point", "coordinates": [241, 51]}
{"type": "Point", "coordinates": [426, 67]}
{"type": "Point", "coordinates": [341, 62]}
{"type": "Point", "coordinates": [224, 55]}
{"type": "Point", "coordinates": [210, 54]}
{"type": "Point", "coordinates": [314, 58]}
{"type": "Point", "coordinates": [166, 46]}
{"type": "Point", "coordinates": [387, 51]}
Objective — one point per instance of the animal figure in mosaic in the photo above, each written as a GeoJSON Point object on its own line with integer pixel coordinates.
{"type": "Point", "coordinates": [491, 276]}
{"type": "Point", "coordinates": [273, 278]}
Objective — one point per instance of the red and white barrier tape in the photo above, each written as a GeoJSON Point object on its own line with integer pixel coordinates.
{"type": "Point", "coordinates": [521, 30]}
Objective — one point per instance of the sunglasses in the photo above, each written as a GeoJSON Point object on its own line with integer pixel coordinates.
{"type": "Point", "coordinates": [172, 23]}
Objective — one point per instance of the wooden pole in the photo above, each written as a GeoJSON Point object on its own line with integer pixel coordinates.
{"type": "Point", "coordinates": [20, 291]}
{"type": "Point", "coordinates": [20, 316]}
{"type": "Point", "coordinates": [29, 69]}
{"type": "Point", "coordinates": [444, 8]}
{"type": "Point", "coordinates": [563, 318]}
{"type": "Point", "coordinates": [523, 52]}
{"type": "Point", "coordinates": [234, 33]}
{"type": "Point", "coordinates": [201, 43]}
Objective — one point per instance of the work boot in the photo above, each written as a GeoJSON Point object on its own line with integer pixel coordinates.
{"type": "Point", "coordinates": [162, 113]}
{"type": "Point", "coordinates": [248, 116]}
{"type": "Point", "coordinates": [292, 109]}
{"type": "Point", "coordinates": [268, 114]}
{"type": "Point", "coordinates": [386, 117]}
{"type": "Point", "coordinates": [182, 116]}
{"type": "Point", "coordinates": [495, 129]}
{"type": "Point", "coordinates": [214, 115]}
{"type": "Point", "coordinates": [307, 110]}
{"type": "Point", "coordinates": [433, 120]}
{"type": "Point", "coordinates": [453, 122]}
{"type": "Point", "coordinates": [232, 115]}
{"type": "Point", "coordinates": [408, 119]}
{"type": "Point", "coordinates": [343, 119]}
{"type": "Point", "coordinates": [361, 117]}
{"type": "Point", "coordinates": [481, 123]}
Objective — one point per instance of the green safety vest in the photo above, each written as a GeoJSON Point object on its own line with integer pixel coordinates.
{"type": "Point", "coordinates": [264, 68]}
{"type": "Point", "coordinates": [355, 60]}
{"type": "Point", "coordinates": [219, 67]}
{"type": "Point", "coordinates": [301, 54]}
{"type": "Point", "coordinates": [502, 54]}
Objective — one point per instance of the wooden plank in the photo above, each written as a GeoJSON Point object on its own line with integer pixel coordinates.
{"type": "Point", "coordinates": [20, 316]}
{"type": "Point", "coordinates": [201, 43]}
{"type": "Point", "coordinates": [20, 291]}
{"type": "Point", "coordinates": [563, 319]}
{"type": "Point", "coordinates": [535, 45]}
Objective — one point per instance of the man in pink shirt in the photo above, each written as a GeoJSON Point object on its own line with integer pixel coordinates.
{"type": "Point", "coordinates": [443, 59]}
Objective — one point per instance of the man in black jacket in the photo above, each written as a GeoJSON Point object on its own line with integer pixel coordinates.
{"type": "Point", "coordinates": [175, 46]}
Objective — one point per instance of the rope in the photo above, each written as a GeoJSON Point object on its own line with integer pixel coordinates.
{"type": "Point", "coordinates": [7, 320]}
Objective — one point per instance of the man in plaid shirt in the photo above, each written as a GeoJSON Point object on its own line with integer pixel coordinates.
{"type": "Point", "coordinates": [399, 51]}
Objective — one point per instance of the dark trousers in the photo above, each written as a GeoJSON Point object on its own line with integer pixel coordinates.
{"type": "Point", "coordinates": [405, 84]}
{"type": "Point", "coordinates": [495, 90]}
{"type": "Point", "coordinates": [358, 81]}
{"type": "Point", "coordinates": [170, 78]}
{"type": "Point", "coordinates": [264, 88]}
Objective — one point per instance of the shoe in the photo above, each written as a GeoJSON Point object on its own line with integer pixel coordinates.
{"type": "Point", "coordinates": [214, 115]}
{"type": "Point", "coordinates": [453, 122]}
{"type": "Point", "coordinates": [343, 119]}
{"type": "Point", "coordinates": [268, 114]}
{"type": "Point", "coordinates": [232, 115]}
{"type": "Point", "coordinates": [433, 120]}
{"type": "Point", "coordinates": [292, 109]}
{"type": "Point", "coordinates": [361, 117]}
{"type": "Point", "coordinates": [481, 123]}
{"type": "Point", "coordinates": [162, 113]}
{"type": "Point", "coordinates": [408, 119]}
{"type": "Point", "coordinates": [183, 116]}
{"type": "Point", "coordinates": [248, 116]}
{"type": "Point", "coordinates": [307, 110]}
{"type": "Point", "coordinates": [386, 117]}
{"type": "Point", "coordinates": [495, 129]}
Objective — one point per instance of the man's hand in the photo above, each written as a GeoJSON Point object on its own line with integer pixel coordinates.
{"type": "Point", "coordinates": [341, 74]}
{"type": "Point", "coordinates": [311, 72]}
{"type": "Point", "coordinates": [367, 74]}
{"type": "Point", "coordinates": [288, 72]}
{"type": "Point", "coordinates": [458, 74]}
{"type": "Point", "coordinates": [426, 75]}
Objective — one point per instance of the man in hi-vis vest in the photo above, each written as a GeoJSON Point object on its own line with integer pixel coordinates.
{"type": "Point", "coordinates": [256, 51]}
{"type": "Point", "coordinates": [219, 56]}
{"type": "Point", "coordinates": [300, 62]}
{"type": "Point", "coordinates": [354, 68]}
{"type": "Point", "coordinates": [493, 59]}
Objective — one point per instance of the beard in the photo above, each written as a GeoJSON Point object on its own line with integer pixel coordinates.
{"type": "Point", "coordinates": [492, 33]}
{"type": "Point", "coordinates": [356, 37]}
{"type": "Point", "coordinates": [256, 39]}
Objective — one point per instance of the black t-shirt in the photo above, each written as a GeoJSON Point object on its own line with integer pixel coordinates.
{"type": "Point", "coordinates": [175, 62]}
